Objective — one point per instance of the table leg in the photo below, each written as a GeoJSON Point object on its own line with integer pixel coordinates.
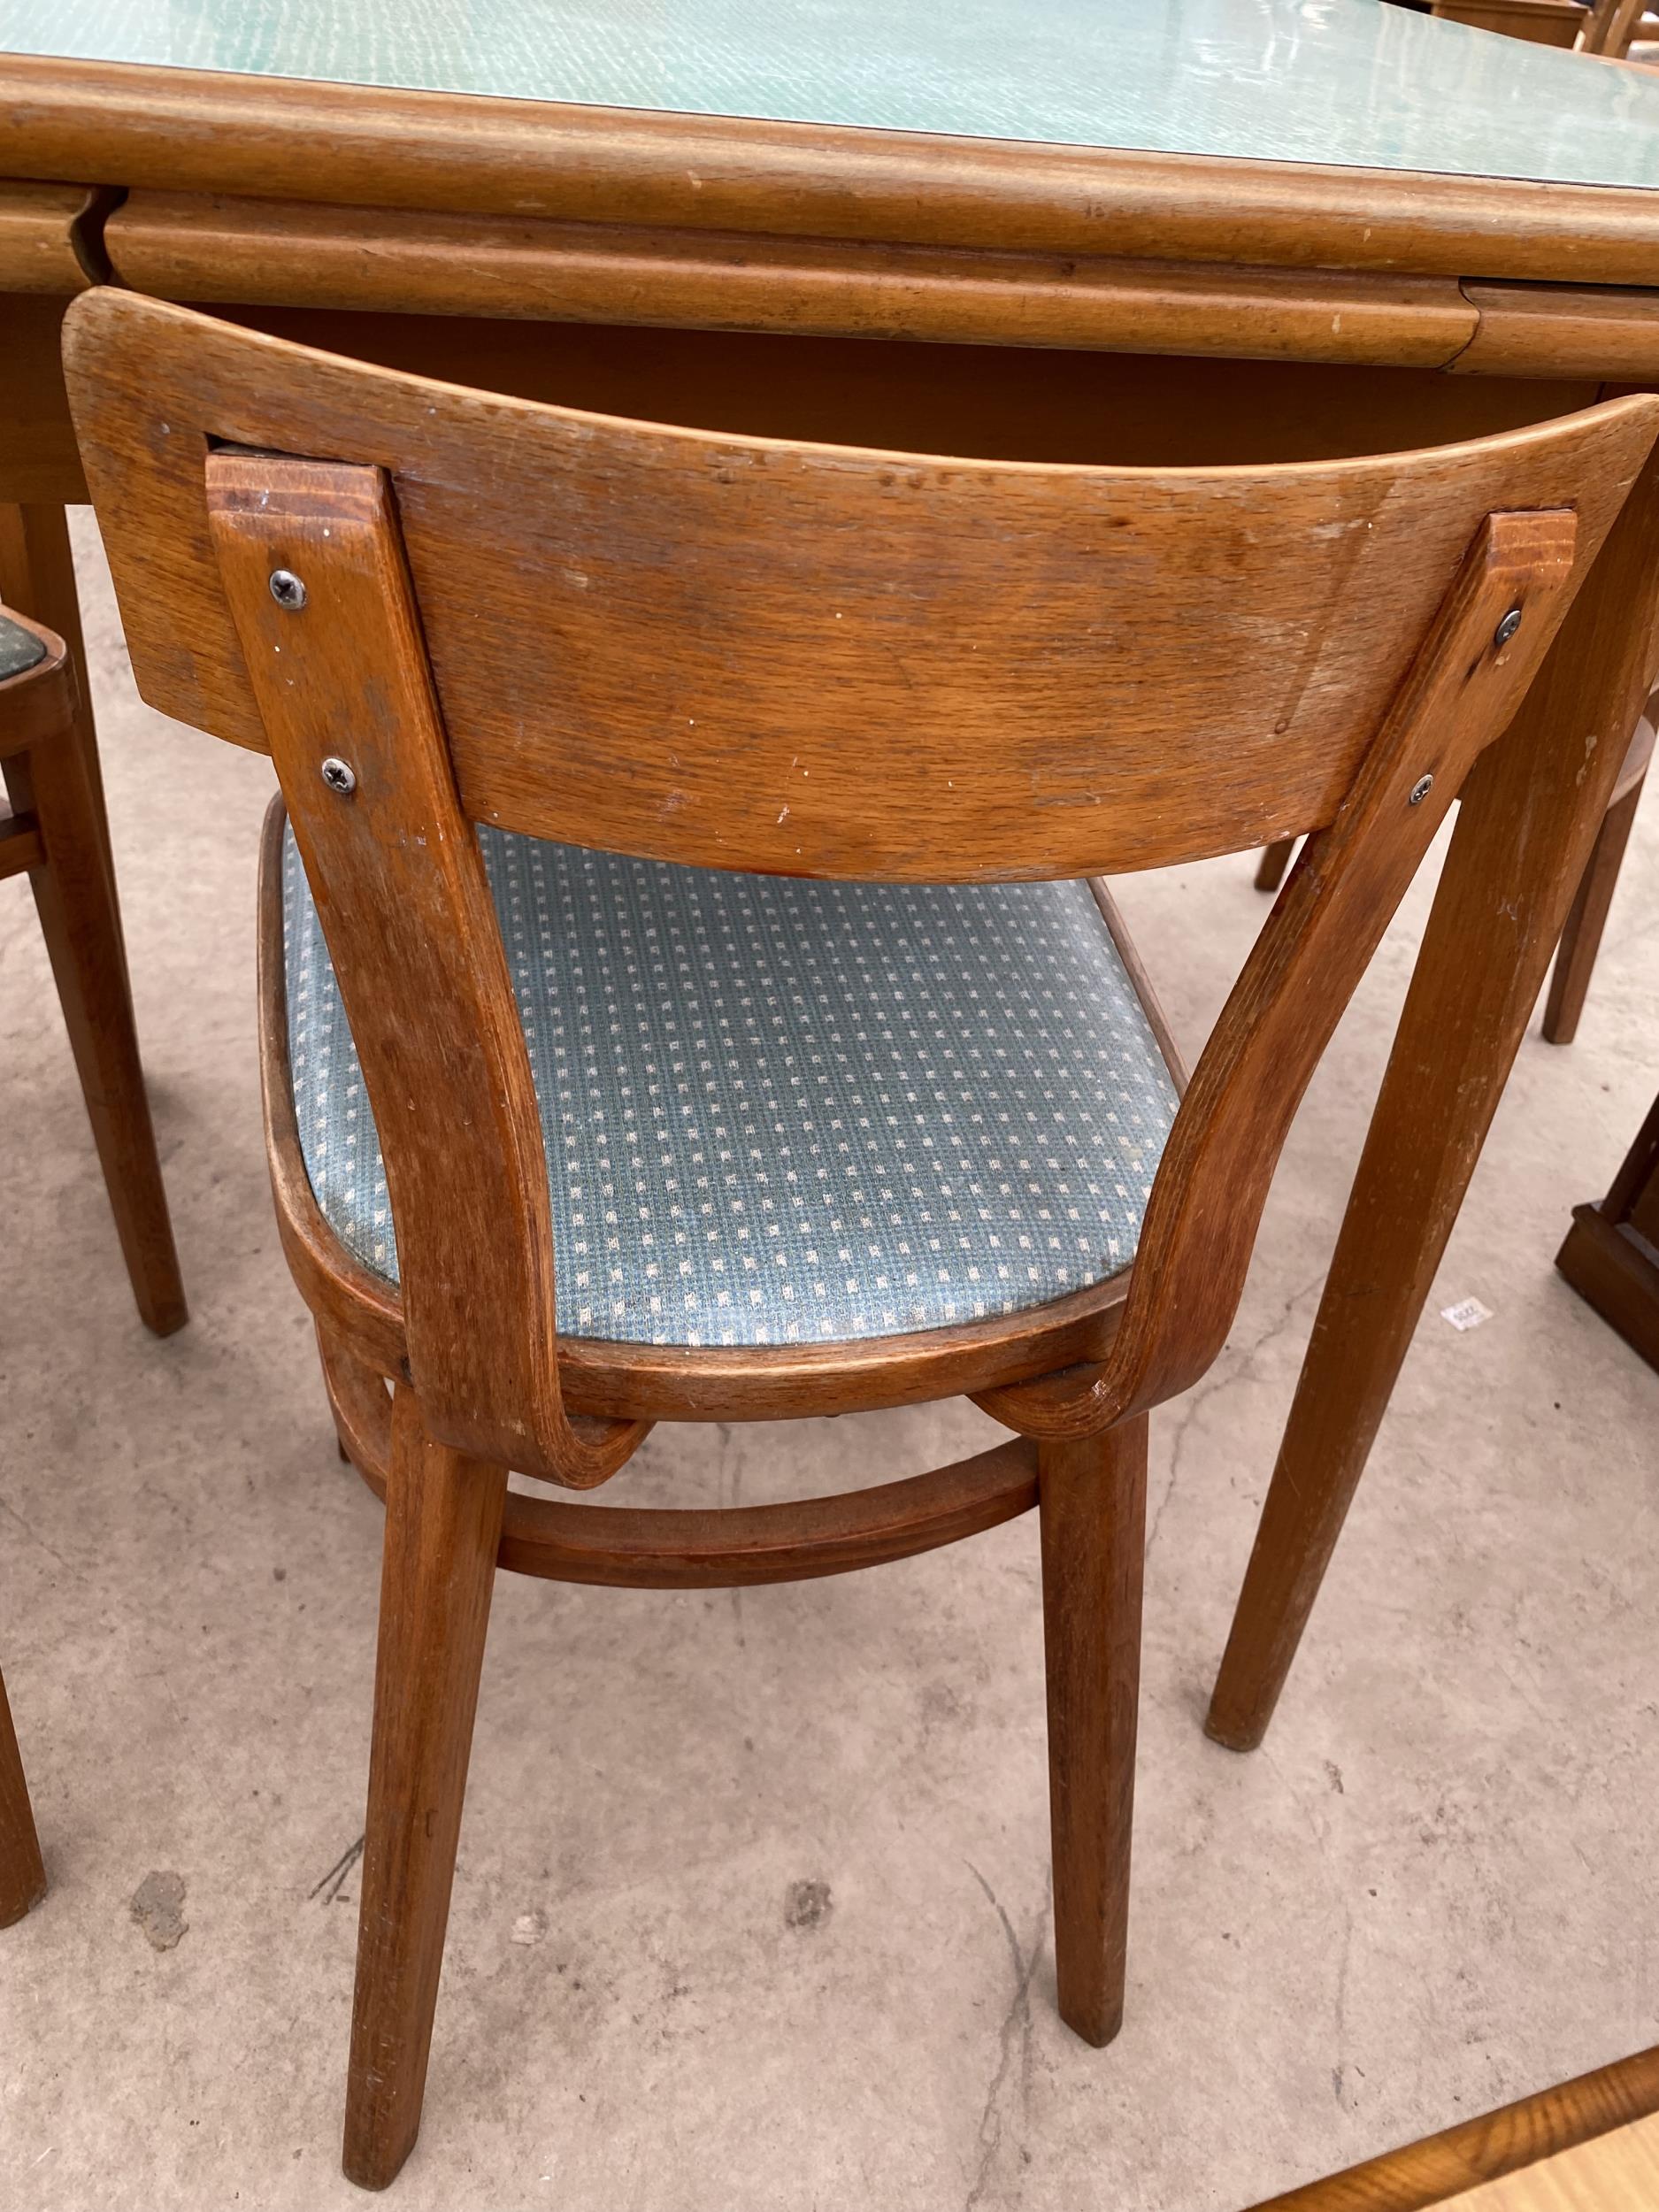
{"type": "Point", "coordinates": [1529, 815]}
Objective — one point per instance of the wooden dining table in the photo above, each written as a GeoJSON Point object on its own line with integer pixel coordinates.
{"type": "Point", "coordinates": [1158, 231]}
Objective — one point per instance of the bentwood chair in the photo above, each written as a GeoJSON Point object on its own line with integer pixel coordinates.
{"type": "Point", "coordinates": [683, 996]}
{"type": "Point", "coordinates": [1605, 28]}
{"type": "Point", "coordinates": [22, 1870]}
{"type": "Point", "coordinates": [50, 834]}
{"type": "Point", "coordinates": [1608, 27]}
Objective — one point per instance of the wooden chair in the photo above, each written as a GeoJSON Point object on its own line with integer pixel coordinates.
{"type": "Point", "coordinates": [1607, 27]}
{"type": "Point", "coordinates": [22, 1871]}
{"type": "Point", "coordinates": [1540, 22]}
{"type": "Point", "coordinates": [866, 1121]}
{"type": "Point", "coordinates": [50, 834]}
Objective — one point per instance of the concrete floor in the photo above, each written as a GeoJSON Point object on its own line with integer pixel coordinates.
{"type": "Point", "coordinates": [752, 1908]}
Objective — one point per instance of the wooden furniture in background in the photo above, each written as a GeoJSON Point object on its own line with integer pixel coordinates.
{"type": "Point", "coordinates": [1611, 1255]}
{"type": "Point", "coordinates": [1540, 22]}
{"type": "Point", "coordinates": [46, 835]}
{"type": "Point", "coordinates": [22, 1872]}
{"type": "Point", "coordinates": [1590, 2145]}
{"type": "Point", "coordinates": [1608, 28]}
{"type": "Point", "coordinates": [1581, 937]}
{"type": "Point", "coordinates": [725, 632]}
{"type": "Point", "coordinates": [55, 834]}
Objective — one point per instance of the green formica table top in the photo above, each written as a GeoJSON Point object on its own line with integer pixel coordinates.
{"type": "Point", "coordinates": [1350, 82]}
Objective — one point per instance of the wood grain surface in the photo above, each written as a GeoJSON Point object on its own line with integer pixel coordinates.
{"type": "Point", "coordinates": [725, 631]}
{"type": "Point", "coordinates": [417, 950]}
{"type": "Point", "coordinates": [195, 131]}
{"type": "Point", "coordinates": [192, 248]}
{"type": "Point", "coordinates": [1476, 2153]}
{"type": "Point", "coordinates": [1529, 817]}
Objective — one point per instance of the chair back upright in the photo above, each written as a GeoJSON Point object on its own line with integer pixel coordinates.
{"type": "Point", "coordinates": [436, 607]}
{"type": "Point", "coordinates": [1608, 27]}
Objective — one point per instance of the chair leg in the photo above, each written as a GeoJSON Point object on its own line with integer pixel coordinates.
{"type": "Point", "coordinates": [1275, 860]}
{"type": "Point", "coordinates": [443, 1515]}
{"type": "Point", "coordinates": [1581, 939]}
{"type": "Point", "coordinates": [356, 1394]}
{"type": "Point", "coordinates": [37, 576]}
{"type": "Point", "coordinates": [22, 1875]}
{"type": "Point", "coordinates": [80, 922]}
{"type": "Point", "coordinates": [1093, 1498]}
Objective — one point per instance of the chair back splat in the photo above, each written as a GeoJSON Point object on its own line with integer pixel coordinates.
{"type": "Point", "coordinates": [825, 662]}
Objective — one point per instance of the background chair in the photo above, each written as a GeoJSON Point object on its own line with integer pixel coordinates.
{"type": "Point", "coordinates": [22, 1872]}
{"type": "Point", "coordinates": [49, 834]}
{"type": "Point", "coordinates": [1608, 27]}
{"type": "Point", "coordinates": [1610, 1257]}
{"type": "Point", "coordinates": [686, 837]}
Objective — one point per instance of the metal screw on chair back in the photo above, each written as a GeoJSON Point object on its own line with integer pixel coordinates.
{"type": "Point", "coordinates": [340, 775]}
{"type": "Point", "coordinates": [287, 590]}
{"type": "Point", "coordinates": [1508, 627]}
{"type": "Point", "coordinates": [1420, 790]}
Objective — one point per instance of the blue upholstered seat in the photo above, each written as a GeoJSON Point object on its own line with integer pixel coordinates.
{"type": "Point", "coordinates": [778, 1111]}
{"type": "Point", "coordinates": [20, 649]}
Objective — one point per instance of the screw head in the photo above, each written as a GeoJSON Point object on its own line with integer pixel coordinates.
{"type": "Point", "coordinates": [340, 775]}
{"type": "Point", "coordinates": [287, 590]}
{"type": "Point", "coordinates": [1421, 789]}
{"type": "Point", "coordinates": [1508, 627]}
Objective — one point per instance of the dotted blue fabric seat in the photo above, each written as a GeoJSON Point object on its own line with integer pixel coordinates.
{"type": "Point", "coordinates": [778, 1111]}
{"type": "Point", "coordinates": [20, 649]}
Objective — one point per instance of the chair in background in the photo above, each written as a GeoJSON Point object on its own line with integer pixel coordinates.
{"type": "Point", "coordinates": [22, 1871]}
{"type": "Point", "coordinates": [1608, 28]}
{"type": "Point", "coordinates": [50, 835]}
{"type": "Point", "coordinates": [683, 997]}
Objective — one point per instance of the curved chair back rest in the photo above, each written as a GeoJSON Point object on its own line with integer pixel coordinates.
{"type": "Point", "coordinates": [814, 661]}
{"type": "Point", "coordinates": [819, 661]}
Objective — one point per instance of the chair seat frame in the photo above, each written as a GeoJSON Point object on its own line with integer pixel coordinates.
{"type": "Point", "coordinates": [359, 1316]}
